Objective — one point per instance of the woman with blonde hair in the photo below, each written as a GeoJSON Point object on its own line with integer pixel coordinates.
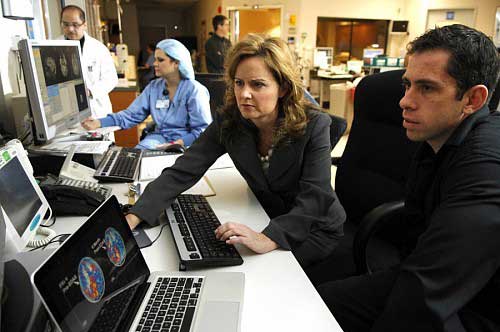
{"type": "Point", "coordinates": [278, 141]}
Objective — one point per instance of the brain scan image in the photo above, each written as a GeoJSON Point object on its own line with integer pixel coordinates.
{"type": "Point", "coordinates": [50, 67]}
{"type": "Point", "coordinates": [64, 66]}
{"type": "Point", "coordinates": [115, 246]}
{"type": "Point", "coordinates": [74, 65]}
{"type": "Point", "coordinates": [91, 278]}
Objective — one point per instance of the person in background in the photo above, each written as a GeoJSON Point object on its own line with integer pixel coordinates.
{"type": "Point", "coordinates": [450, 281]}
{"type": "Point", "coordinates": [148, 70]}
{"type": "Point", "coordinates": [217, 45]}
{"type": "Point", "coordinates": [98, 67]}
{"type": "Point", "coordinates": [178, 104]}
{"type": "Point", "coordinates": [280, 144]}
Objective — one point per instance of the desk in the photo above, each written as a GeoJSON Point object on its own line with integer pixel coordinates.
{"type": "Point", "coordinates": [278, 294]}
{"type": "Point", "coordinates": [324, 95]}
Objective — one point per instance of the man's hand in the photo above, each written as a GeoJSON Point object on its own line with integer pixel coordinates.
{"type": "Point", "coordinates": [132, 220]}
{"type": "Point", "coordinates": [91, 123]}
{"type": "Point", "coordinates": [234, 233]}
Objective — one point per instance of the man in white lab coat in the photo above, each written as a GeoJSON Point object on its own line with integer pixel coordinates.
{"type": "Point", "coordinates": [98, 67]}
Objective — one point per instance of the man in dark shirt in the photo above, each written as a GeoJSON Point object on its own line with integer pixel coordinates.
{"type": "Point", "coordinates": [217, 45]}
{"type": "Point", "coordinates": [450, 281]}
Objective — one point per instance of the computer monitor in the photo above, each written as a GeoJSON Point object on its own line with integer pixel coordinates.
{"type": "Point", "coordinates": [323, 57]}
{"type": "Point", "coordinates": [55, 85]}
{"type": "Point", "coordinates": [22, 203]}
{"type": "Point", "coordinates": [370, 53]}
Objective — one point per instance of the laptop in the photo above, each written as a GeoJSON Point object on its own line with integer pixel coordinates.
{"type": "Point", "coordinates": [98, 280]}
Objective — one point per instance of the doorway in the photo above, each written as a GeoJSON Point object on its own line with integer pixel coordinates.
{"type": "Point", "coordinates": [258, 19]}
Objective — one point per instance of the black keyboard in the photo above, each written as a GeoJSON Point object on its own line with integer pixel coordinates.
{"type": "Point", "coordinates": [119, 164]}
{"type": "Point", "coordinates": [193, 222]}
{"type": "Point", "coordinates": [172, 305]}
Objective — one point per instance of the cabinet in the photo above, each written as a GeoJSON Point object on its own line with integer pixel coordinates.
{"type": "Point", "coordinates": [121, 98]}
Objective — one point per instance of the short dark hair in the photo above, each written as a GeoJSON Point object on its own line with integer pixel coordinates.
{"type": "Point", "coordinates": [73, 7]}
{"type": "Point", "coordinates": [218, 20]}
{"type": "Point", "coordinates": [473, 56]}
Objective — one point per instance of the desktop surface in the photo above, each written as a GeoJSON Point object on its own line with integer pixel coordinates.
{"type": "Point", "coordinates": [278, 294]}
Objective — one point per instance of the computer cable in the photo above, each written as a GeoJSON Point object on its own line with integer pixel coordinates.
{"type": "Point", "coordinates": [58, 238]}
{"type": "Point", "coordinates": [158, 236]}
{"type": "Point", "coordinates": [53, 221]}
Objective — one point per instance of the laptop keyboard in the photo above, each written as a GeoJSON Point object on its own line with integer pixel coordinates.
{"type": "Point", "coordinates": [171, 305]}
{"type": "Point", "coordinates": [194, 235]}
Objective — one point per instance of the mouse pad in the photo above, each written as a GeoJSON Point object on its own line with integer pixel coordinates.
{"type": "Point", "coordinates": [141, 237]}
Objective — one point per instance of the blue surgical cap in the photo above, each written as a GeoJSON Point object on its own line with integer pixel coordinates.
{"type": "Point", "coordinates": [174, 49]}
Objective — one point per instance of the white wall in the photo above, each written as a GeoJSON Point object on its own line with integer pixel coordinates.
{"type": "Point", "coordinates": [415, 11]}
{"type": "Point", "coordinates": [10, 28]}
{"type": "Point", "coordinates": [485, 13]}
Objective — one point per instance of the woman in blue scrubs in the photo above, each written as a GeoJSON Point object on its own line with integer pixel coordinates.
{"type": "Point", "coordinates": [178, 104]}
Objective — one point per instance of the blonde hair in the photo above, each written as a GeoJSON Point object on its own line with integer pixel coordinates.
{"type": "Point", "coordinates": [280, 61]}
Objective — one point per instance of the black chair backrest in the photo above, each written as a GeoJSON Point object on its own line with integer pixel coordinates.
{"type": "Point", "coordinates": [373, 168]}
{"type": "Point", "coordinates": [216, 87]}
{"type": "Point", "coordinates": [337, 129]}
{"type": "Point", "coordinates": [493, 104]}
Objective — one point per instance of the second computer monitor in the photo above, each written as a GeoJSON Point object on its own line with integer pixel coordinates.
{"type": "Point", "coordinates": [323, 57]}
{"type": "Point", "coordinates": [55, 85]}
{"type": "Point", "coordinates": [22, 203]}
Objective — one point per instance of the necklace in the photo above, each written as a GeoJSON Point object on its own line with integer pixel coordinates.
{"type": "Point", "coordinates": [265, 159]}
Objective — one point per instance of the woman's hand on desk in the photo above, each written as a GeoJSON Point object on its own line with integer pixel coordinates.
{"type": "Point", "coordinates": [91, 123]}
{"type": "Point", "coordinates": [132, 220]}
{"type": "Point", "coordinates": [163, 146]}
{"type": "Point", "coordinates": [234, 233]}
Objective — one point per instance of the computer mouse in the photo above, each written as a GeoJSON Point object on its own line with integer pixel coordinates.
{"type": "Point", "coordinates": [94, 136]}
{"type": "Point", "coordinates": [177, 148]}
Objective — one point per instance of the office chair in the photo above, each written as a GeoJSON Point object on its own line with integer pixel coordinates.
{"type": "Point", "coordinates": [493, 104]}
{"type": "Point", "coordinates": [337, 129]}
{"type": "Point", "coordinates": [371, 172]}
{"type": "Point", "coordinates": [216, 87]}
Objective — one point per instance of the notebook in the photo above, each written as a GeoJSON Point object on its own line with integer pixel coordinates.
{"type": "Point", "coordinates": [98, 280]}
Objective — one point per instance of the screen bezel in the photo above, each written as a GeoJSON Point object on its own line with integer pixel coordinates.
{"type": "Point", "coordinates": [18, 241]}
{"type": "Point", "coordinates": [43, 131]}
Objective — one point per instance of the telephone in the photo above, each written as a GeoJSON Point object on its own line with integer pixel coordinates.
{"type": "Point", "coordinates": [73, 197]}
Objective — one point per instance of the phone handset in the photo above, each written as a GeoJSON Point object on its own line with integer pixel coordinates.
{"type": "Point", "coordinates": [76, 171]}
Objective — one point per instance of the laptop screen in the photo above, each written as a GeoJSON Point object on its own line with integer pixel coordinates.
{"type": "Point", "coordinates": [99, 261]}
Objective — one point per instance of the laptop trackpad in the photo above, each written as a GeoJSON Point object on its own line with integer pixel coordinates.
{"type": "Point", "coordinates": [219, 316]}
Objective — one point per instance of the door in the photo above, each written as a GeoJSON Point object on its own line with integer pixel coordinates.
{"type": "Point", "coordinates": [264, 20]}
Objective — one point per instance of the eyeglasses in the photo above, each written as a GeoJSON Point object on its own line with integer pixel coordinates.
{"type": "Point", "coordinates": [71, 25]}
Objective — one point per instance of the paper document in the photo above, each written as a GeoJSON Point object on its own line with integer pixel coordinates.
{"type": "Point", "coordinates": [106, 130]}
{"type": "Point", "coordinates": [151, 167]}
{"type": "Point", "coordinates": [224, 161]}
{"type": "Point", "coordinates": [88, 147]}
{"type": "Point", "coordinates": [202, 187]}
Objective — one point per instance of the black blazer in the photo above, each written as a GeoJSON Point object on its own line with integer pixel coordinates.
{"type": "Point", "coordinates": [297, 193]}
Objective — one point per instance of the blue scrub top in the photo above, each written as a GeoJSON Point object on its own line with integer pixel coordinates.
{"type": "Point", "coordinates": [185, 117]}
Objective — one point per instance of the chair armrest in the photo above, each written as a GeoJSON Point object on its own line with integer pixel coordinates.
{"type": "Point", "coordinates": [372, 221]}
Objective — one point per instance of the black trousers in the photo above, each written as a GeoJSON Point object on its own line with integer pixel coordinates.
{"type": "Point", "coordinates": [361, 304]}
